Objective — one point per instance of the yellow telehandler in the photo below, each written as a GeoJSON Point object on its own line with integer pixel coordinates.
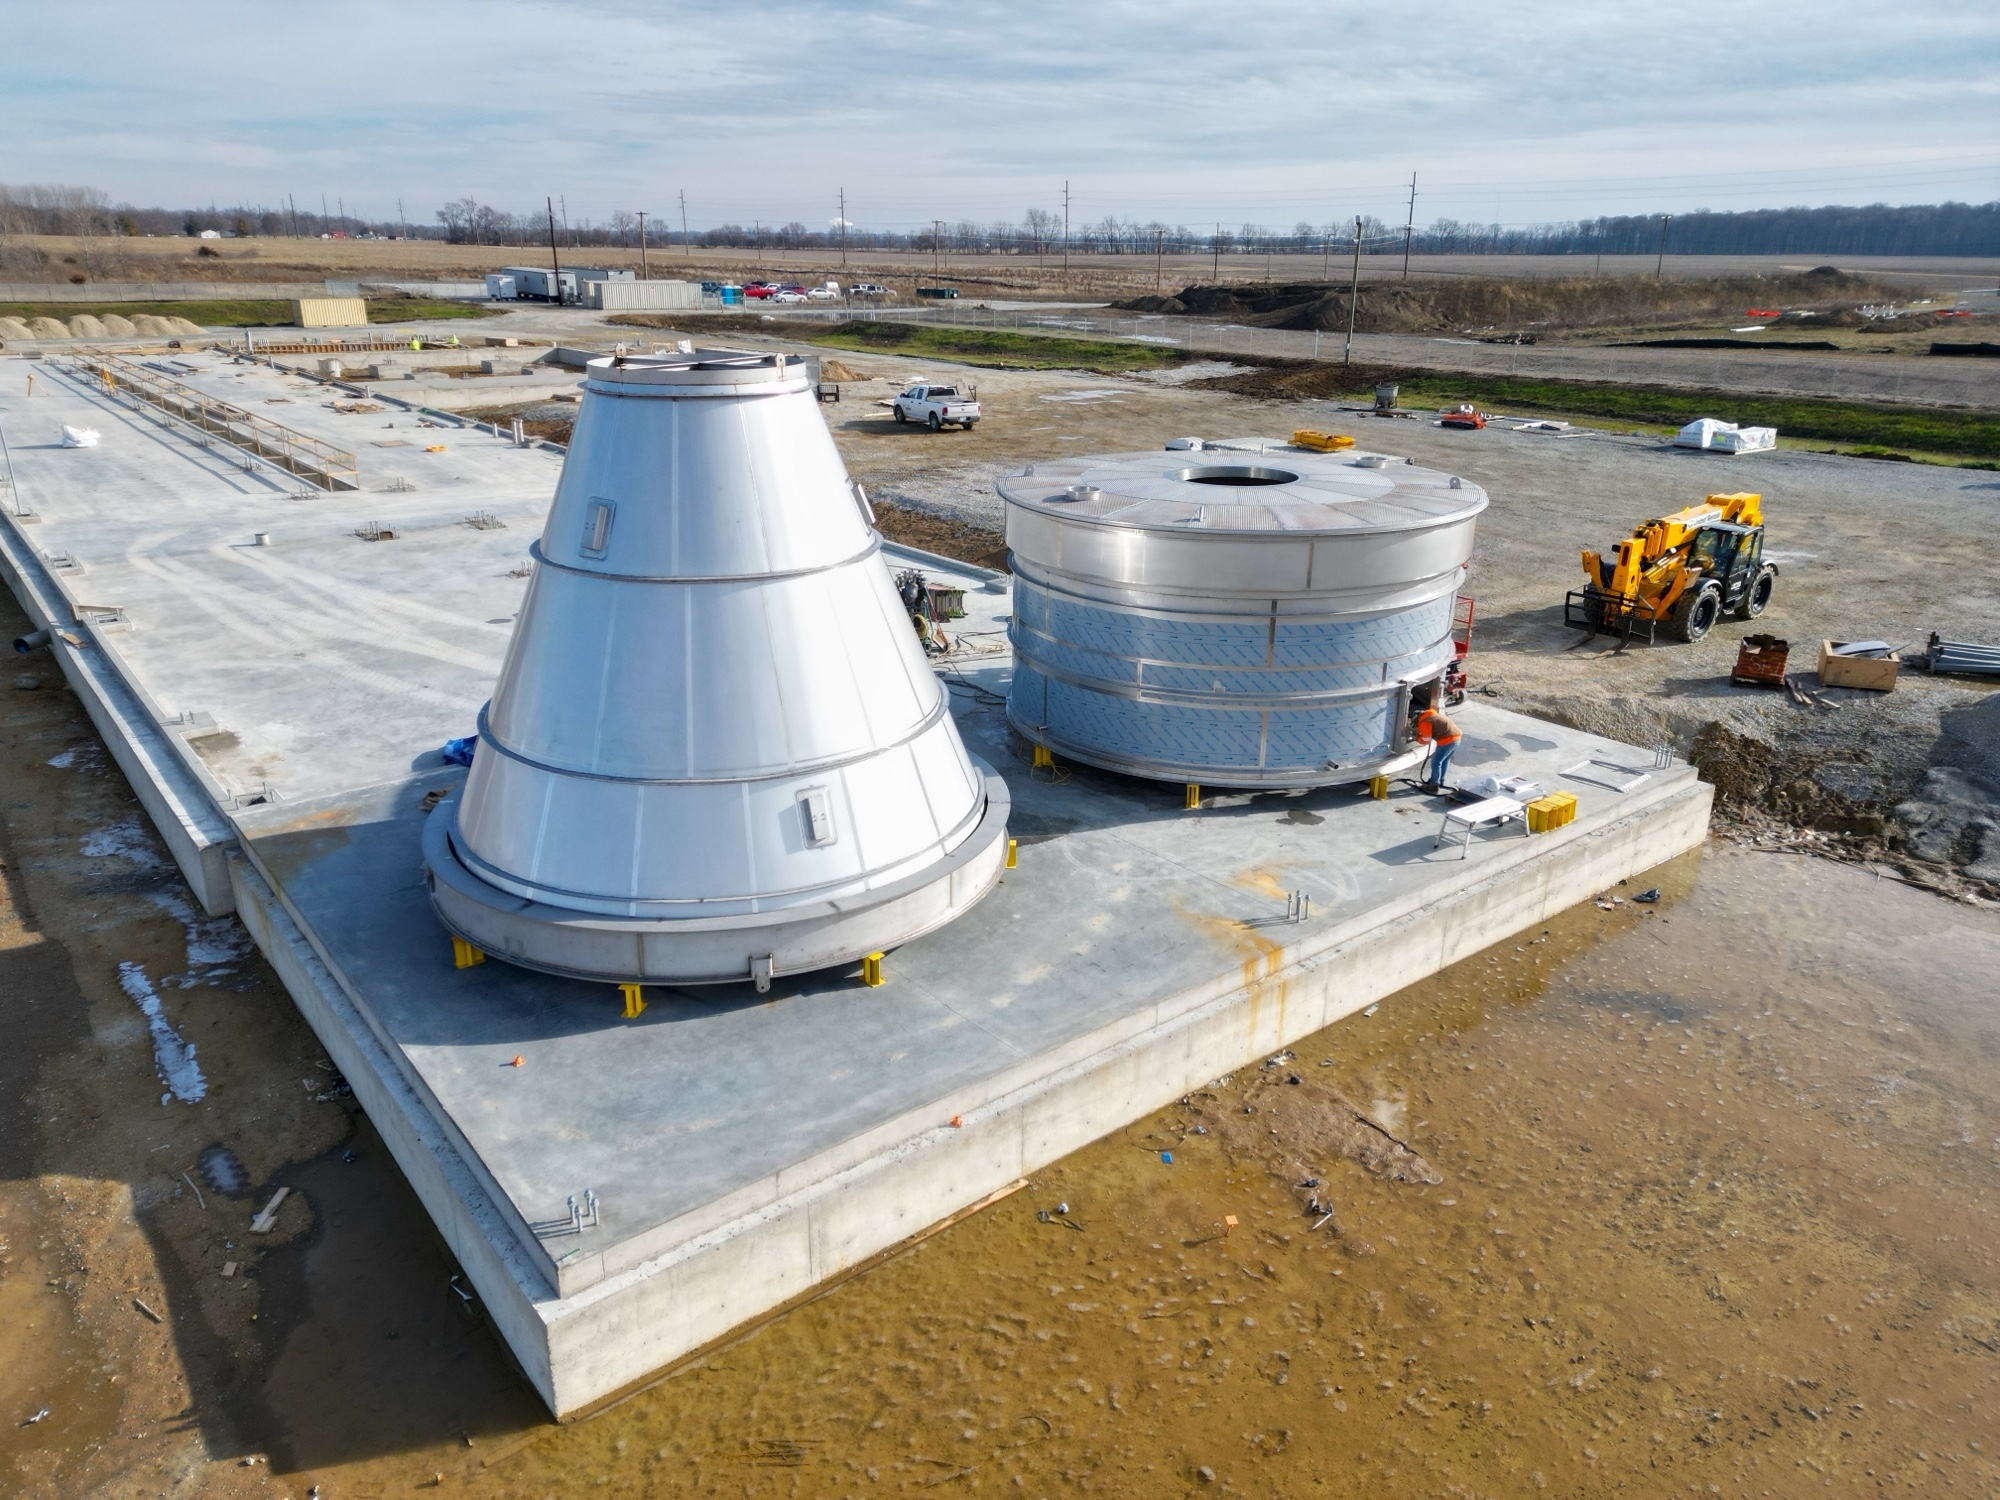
{"type": "Point", "coordinates": [1684, 571]}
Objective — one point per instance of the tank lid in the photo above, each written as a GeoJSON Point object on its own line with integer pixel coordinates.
{"type": "Point", "coordinates": [702, 369]}
{"type": "Point", "coordinates": [1244, 485]}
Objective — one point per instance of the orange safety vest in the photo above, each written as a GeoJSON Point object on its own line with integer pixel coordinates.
{"type": "Point", "coordinates": [1432, 725]}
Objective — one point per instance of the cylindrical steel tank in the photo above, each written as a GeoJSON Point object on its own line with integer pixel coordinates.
{"type": "Point", "coordinates": [1239, 615]}
{"type": "Point", "coordinates": [716, 750]}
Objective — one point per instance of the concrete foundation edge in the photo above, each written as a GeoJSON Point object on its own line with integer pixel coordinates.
{"type": "Point", "coordinates": [194, 830]}
{"type": "Point", "coordinates": [613, 1335]}
{"type": "Point", "coordinates": [510, 1286]}
{"type": "Point", "coordinates": [617, 1333]}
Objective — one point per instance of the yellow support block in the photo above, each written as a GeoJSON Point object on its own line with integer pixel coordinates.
{"type": "Point", "coordinates": [464, 955]}
{"type": "Point", "coordinates": [1043, 760]}
{"type": "Point", "coordinates": [634, 1002]}
{"type": "Point", "coordinates": [1012, 849]}
{"type": "Point", "coordinates": [1378, 788]}
{"type": "Point", "coordinates": [1546, 814]}
{"type": "Point", "coordinates": [871, 970]}
{"type": "Point", "coordinates": [1193, 795]}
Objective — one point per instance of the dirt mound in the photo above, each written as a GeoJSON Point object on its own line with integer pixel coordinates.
{"type": "Point", "coordinates": [1297, 1128]}
{"type": "Point", "coordinates": [930, 532]}
{"type": "Point", "coordinates": [84, 326]}
{"type": "Point", "coordinates": [182, 325]}
{"type": "Point", "coordinates": [1485, 303]}
{"type": "Point", "coordinates": [47, 328]}
{"type": "Point", "coordinates": [14, 328]}
{"type": "Point", "coordinates": [153, 326]}
{"type": "Point", "coordinates": [834, 370]}
{"type": "Point", "coordinates": [118, 327]}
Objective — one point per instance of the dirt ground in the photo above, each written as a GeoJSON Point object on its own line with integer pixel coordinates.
{"type": "Point", "coordinates": [1748, 1199]}
{"type": "Point", "coordinates": [1866, 550]}
{"type": "Point", "coordinates": [1586, 1212]}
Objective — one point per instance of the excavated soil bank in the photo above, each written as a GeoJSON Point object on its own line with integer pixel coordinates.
{"type": "Point", "coordinates": [1478, 303]}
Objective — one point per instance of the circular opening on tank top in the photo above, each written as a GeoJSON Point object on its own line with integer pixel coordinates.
{"type": "Point", "coordinates": [1237, 474]}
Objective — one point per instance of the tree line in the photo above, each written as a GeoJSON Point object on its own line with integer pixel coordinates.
{"type": "Point", "coordinates": [1955, 229]}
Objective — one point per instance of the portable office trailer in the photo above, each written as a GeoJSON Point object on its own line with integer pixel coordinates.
{"type": "Point", "coordinates": [641, 296]}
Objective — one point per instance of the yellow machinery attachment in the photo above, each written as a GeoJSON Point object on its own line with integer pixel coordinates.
{"type": "Point", "coordinates": [1320, 442]}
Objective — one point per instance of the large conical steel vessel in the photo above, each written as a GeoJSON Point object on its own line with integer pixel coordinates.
{"type": "Point", "coordinates": [715, 751]}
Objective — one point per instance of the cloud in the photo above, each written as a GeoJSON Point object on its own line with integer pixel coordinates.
{"type": "Point", "coordinates": [1177, 109]}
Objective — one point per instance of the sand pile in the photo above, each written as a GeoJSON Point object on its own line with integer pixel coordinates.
{"type": "Point", "coordinates": [833, 369]}
{"type": "Point", "coordinates": [14, 328]}
{"type": "Point", "coordinates": [117, 327]}
{"type": "Point", "coordinates": [47, 328]}
{"type": "Point", "coordinates": [152, 326]}
{"type": "Point", "coordinates": [84, 326]}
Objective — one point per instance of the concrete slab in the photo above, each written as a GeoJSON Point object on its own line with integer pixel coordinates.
{"type": "Point", "coordinates": [738, 1149]}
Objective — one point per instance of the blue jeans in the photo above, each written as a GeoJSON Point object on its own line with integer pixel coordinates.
{"type": "Point", "coordinates": [1441, 762]}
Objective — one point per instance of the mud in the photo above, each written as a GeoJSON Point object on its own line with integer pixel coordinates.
{"type": "Point", "coordinates": [1698, 1193]}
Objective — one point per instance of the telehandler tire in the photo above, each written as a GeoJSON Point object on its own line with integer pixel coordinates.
{"type": "Point", "coordinates": [1697, 613]}
{"type": "Point", "coordinates": [1758, 596]}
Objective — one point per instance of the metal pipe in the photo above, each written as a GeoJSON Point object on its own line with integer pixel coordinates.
{"type": "Point", "coordinates": [34, 640]}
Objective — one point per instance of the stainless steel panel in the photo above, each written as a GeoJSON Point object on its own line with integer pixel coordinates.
{"type": "Point", "coordinates": [1252, 632]}
{"type": "Point", "coordinates": [714, 707]}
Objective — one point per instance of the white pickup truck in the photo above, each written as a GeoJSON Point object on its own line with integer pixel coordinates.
{"type": "Point", "coordinates": [938, 405]}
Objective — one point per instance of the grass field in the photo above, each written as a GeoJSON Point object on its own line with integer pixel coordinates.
{"type": "Point", "coordinates": [1885, 431]}
{"type": "Point", "coordinates": [245, 313]}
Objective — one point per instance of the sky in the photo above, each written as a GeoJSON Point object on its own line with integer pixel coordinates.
{"type": "Point", "coordinates": [1174, 110]}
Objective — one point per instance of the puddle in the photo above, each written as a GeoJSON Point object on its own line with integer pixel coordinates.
{"type": "Point", "coordinates": [173, 1054]}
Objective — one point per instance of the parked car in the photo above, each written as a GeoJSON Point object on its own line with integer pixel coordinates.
{"type": "Point", "coordinates": [869, 289]}
{"type": "Point", "coordinates": [786, 294]}
{"type": "Point", "coordinates": [939, 406]}
{"type": "Point", "coordinates": [828, 292]}
{"type": "Point", "coordinates": [710, 288]}
{"type": "Point", "coordinates": [758, 290]}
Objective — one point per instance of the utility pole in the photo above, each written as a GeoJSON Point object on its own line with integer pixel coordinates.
{"type": "Point", "coordinates": [643, 276]}
{"type": "Point", "coordinates": [1353, 296]}
{"type": "Point", "coordinates": [554, 259]}
{"type": "Point", "coordinates": [294, 202]}
{"type": "Point", "coordinates": [1326, 255]}
{"type": "Point", "coordinates": [937, 244]}
{"type": "Point", "coordinates": [322, 213]}
{"type": "Point", "coordinates": [1410, 227]}
{"type": "Point", "coordinates": [684, 220]}
{"type": "Point", "coordinates": [1159, 260]}
{"type": "Point", "coordinates": [1659, 270]}
{"type": "Point", "coordinates": [402, 219]}
{"type": "Point", "coordinates": [565, 217]}
{"type": "Point", "coordinates": [843, 226]}
{"type": "Point", "coordinates": [1215, 275]}
{"type": "Point", "coordinates": [343, 210]}
{"type": "Point", "coordinates": [1065, 228]}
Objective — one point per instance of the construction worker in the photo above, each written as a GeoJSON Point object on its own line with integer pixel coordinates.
{"type": "Point", "coordinates": [1441, 734]}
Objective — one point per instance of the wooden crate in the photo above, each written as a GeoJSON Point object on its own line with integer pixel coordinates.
{"type": "Point", "coordinates": [1876, 673]}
